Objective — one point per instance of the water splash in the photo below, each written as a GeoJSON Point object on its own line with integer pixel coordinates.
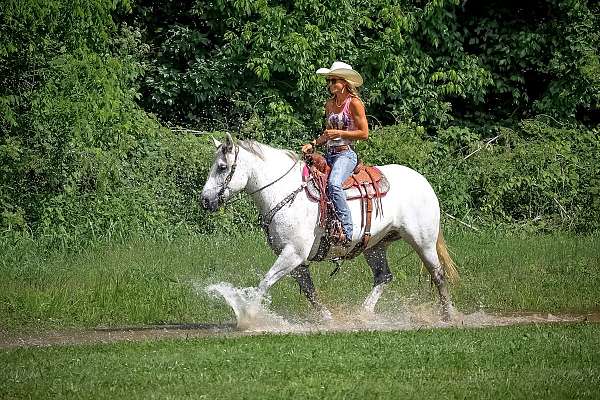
{"type": "Point", "coordinates": [253, 315]}
{"type": "Point", "coordinates": [251, 308]}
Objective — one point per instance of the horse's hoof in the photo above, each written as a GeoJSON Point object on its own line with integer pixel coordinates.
{"type": "Point", "coordinates": [326, 315]}
{"type": "Point", "coordinates": [369, 308]}
{"type": "Point", "coordinates": [448, 314]}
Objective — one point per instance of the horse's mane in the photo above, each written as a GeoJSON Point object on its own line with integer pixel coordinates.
{"type": "Point", "coordinates": [258, 149]}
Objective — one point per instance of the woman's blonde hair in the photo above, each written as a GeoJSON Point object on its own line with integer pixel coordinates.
{"type": "Point", "coordinates": [352, 89]}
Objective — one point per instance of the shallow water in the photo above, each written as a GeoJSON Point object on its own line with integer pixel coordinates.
{"type": "Point", "coordinates": [250, 309]}
{"type": "Point", "coordinates": [253, 315]}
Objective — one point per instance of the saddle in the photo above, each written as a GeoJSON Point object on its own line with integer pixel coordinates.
{"type": "Point", "coordinates": [365, 184]}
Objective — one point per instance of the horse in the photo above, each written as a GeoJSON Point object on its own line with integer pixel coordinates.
{"type": "Point", "coordinates": [273, 178]}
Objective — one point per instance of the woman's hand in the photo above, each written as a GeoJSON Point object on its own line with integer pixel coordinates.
{"type": "Point", "coordinates": [308, 148]}
{"type": "Point", "coordinates": [332, 134]}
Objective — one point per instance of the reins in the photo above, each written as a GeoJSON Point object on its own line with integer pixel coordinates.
{"type": "Point", "coordinates": [257, 190]}
{"type": "Point", "coordinates": [272, 183]}
{"type": "Point", "coordinates": [266, 220]}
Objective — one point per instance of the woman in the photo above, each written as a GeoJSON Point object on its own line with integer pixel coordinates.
{"type": "Point", "coordinates": [346, 122]}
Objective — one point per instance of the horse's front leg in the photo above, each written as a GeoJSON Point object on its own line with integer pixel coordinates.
{"type": "Point", "coordinates": [287, 261]}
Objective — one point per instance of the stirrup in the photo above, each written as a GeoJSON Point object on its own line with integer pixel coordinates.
{"type": "Point", "coordinates": [337, 237]}
{"type": "Point", "coordinates": [341, 240]}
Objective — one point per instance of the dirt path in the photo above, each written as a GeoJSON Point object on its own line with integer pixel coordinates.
{"type": "Point", "coordinates": [188, 331]}
{"type": "Point", "coordinates": [116, 334]}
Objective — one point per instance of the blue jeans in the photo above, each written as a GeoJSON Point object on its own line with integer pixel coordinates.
{"type": "Point", "coordinates": [342, 164]}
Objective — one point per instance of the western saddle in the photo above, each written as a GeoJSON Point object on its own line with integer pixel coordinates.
{"type": "Point", "coordinates": [365, 184]}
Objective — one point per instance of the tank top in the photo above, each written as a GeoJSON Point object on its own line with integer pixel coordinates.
{"type": "Point", "coordinates": [344, 120]}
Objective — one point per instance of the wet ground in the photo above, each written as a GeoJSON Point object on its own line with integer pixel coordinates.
{"type": "Point", "coordinates": [414, 320]}
{"type": "Point", "coordinates": [115, 334]}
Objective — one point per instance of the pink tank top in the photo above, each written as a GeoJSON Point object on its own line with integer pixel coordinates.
{"type": "Point", "coordinates": [344, 120]}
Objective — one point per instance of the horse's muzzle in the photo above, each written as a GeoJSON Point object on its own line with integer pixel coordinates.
{"type": "Point", "coordinates": [210, 204]}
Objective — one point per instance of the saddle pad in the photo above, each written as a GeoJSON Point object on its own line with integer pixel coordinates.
{"type": "Point", "coordinates": [351, 193]}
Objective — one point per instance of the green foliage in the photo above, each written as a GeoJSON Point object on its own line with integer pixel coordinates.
{"type": "Point", "coordinates": [259, 59]}
{"type": "Point", "coordinates": [228, 62]}
{"type": "Point", "coordinates": [397, 144]}
{"type": "Point", "coordinates": [79, 159]}
{"type": "Point", "coordinates": [538, 175]}
{"type": "Point", "coordinates": [543, 56]}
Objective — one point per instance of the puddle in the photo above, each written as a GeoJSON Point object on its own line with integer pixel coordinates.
{"type": "Point", "coordinates": [116, 334]}
{"type": "Point", "coordinates": [253, 316]}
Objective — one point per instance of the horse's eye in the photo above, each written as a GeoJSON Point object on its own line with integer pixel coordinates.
{"type": "Point", "coordinates": [222, 167]}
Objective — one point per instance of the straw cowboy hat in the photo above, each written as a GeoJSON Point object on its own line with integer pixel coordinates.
{"type": "Point", "coordinates": [342, 70]}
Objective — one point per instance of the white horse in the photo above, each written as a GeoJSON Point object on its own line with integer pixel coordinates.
{"type": "Point", "coordinates": [272, 177]}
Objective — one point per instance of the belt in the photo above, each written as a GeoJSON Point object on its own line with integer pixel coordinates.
{"type": "Point", "coordinates": [338, 149]}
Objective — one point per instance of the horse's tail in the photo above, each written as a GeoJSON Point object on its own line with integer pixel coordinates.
{"type": "Point", "coordinates": [447, 264]}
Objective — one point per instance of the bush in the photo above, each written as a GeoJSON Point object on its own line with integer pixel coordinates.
{"type": "Point", "coordinates": [79, 158]}
{"type": "Point", "coordinates": [537, 175]}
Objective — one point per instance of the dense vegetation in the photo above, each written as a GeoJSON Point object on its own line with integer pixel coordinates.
{"type": "Point", "coordinates": [497, 105]}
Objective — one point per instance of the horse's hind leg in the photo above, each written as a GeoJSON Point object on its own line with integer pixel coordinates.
{"type": "Point", "coordinates": [377, 259]}
{"type": "Point", "coordinates": [429, 256]}
{"type": "Point", "coordinates": [302, 275]}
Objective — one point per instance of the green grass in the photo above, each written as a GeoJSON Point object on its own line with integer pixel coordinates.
{"type": "Point", "coordinates": [519, 362]}
{"type": "Point", "coordinates": [144, 281]}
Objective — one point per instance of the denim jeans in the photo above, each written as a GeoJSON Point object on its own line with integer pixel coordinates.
{"type": "Point", "coordinates": [342, 164]}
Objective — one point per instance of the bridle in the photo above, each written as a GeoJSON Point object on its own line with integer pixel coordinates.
{"type": "Point", "coordinates": [229, 176]}
{"type": "Point", "coordinates": [232, 171]}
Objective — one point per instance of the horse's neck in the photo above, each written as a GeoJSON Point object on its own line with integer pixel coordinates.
{"type": "Point", "coordinates": [273, 167]}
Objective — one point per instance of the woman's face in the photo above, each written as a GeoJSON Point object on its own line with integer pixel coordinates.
{"type": "Point", "coordinates": [335, 84]}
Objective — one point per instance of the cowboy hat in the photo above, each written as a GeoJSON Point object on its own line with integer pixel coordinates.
{"type": "Point", "coordinates": [344, 71]}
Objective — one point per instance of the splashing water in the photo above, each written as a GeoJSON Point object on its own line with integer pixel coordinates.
{"type": "Point", "coordinates": [252, 315]}
{"type": "Point", "coordinates": [250, 308]}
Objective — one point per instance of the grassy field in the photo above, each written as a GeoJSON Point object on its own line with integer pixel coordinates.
{"type": "Point", "coordinates": [519, 362]}
{"type": "Point", "coordinates": [158, 281]}
{"type": "Point", "coordinates": [143, 281]}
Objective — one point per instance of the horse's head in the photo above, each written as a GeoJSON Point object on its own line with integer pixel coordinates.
{"type": "Point", "coordinates": [226, 177]}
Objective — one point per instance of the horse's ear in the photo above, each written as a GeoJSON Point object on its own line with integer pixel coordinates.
{"type": "Point", "coordinates": [216, 142]}
{"type": "Point", "coordinates": [228, 140]}
{"type": "Point", "coordinates": [228, 145]}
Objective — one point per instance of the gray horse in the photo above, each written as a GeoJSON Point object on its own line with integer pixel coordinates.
{"type": "Point", "coordinates": [272, 177]}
